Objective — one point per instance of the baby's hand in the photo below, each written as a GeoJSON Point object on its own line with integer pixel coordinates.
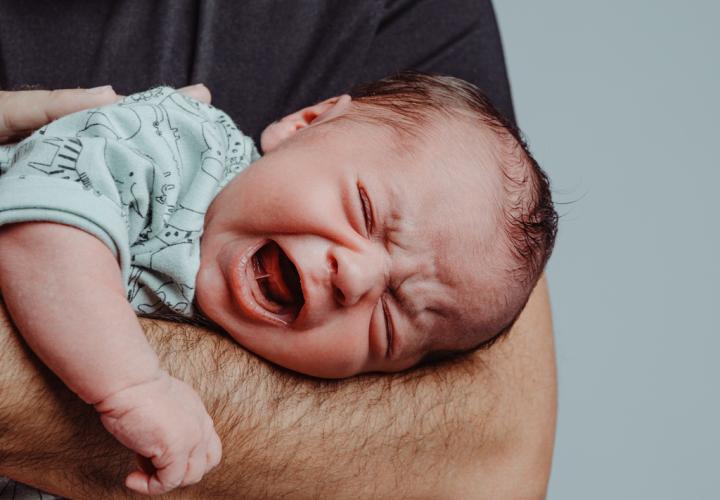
{"type": "Point", "coordinates": [165, 421]}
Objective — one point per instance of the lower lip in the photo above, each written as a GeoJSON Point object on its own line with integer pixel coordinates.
{"type": "Point", "coordinates": [246, 291]}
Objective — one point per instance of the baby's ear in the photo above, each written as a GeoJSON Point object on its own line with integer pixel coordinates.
{"type": "Point", "coordinates": [277, 132]}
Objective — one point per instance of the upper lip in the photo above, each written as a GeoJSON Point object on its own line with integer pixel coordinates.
{"type": "Point", "coordinates": [247, 290]}
{"type": "Point", "coordinates": [302, 311]}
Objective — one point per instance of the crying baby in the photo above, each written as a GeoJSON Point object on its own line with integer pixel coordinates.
{"type": "Point", "coordinates": [402, 222]}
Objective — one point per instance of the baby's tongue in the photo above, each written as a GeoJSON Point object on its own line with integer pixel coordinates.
{"type": "Point", "coordinates": [277, 288]}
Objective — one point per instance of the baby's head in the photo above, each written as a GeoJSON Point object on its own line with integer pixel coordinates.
{"type": "Point", "coordinates": [405, 222]}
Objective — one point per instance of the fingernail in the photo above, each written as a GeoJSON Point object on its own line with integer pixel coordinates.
{"type": "Point", "coordinates": [99, 90]}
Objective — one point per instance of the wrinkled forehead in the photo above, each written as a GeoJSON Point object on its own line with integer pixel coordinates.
{"type": "Point", "coordinates": [440, 198]}
{"type": "Point", "coordinates": [457, 191]}
{"type": "Point", "coordinates": [453, 210]}
{"type": "Point", "coordinates": [475, 301]}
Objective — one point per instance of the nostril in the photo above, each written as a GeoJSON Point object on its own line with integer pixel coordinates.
{"type": "Point", "coordinates": [339, 296]}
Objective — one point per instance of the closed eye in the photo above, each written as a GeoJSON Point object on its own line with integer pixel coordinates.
{"type": "Point", "coordinates": [388, 328]}
{"type": "Point", "coordinates": [366, 209]}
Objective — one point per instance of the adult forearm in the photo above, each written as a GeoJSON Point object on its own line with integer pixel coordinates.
{"type": "Point", "coordinates": [470, 428]}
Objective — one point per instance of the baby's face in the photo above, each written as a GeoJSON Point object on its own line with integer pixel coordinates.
{"type": "Point", "coordinates": [335, 254]}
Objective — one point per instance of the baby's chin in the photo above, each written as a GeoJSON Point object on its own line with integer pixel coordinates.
{"type": "Point", "coordinates": [322, 366]}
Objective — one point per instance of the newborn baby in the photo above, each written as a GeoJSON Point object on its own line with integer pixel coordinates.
{"type": "Point", "coordinates": [403, 223]}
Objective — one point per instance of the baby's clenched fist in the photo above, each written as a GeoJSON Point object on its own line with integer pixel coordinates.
{"type": "Point", "coordinates": [165, 421]}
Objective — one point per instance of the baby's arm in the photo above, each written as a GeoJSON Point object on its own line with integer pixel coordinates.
{"type": "Point", "coordinates": [64, 291]}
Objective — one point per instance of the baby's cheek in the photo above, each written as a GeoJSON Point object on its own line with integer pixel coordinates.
{"type": "Point", "coordinates": [328, 355]}
{"type": "Point", "coordinates": [210, 293]}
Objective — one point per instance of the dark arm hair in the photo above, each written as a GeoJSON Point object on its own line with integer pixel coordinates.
{"type": "Point", "coordinates": [454, 431]}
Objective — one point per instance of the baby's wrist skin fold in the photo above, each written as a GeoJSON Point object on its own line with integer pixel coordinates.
{"type": "Point", "coordinates": [105, 404]}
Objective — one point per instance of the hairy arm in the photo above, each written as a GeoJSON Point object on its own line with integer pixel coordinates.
{"type": "Point", "coordinates": [481, 427]}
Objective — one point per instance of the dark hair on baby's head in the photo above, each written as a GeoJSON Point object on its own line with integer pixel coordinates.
{"type": "Point", "coordinates": [409, 100]}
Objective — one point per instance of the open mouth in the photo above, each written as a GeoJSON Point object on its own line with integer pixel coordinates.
{"type": "Point", "coordinates": [278, 289]}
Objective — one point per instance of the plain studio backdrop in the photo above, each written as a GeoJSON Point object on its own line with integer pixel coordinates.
{"type": "Point", "coordinates": [619, 100]}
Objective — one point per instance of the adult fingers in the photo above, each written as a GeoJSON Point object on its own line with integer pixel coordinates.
{"type": "Point", "coordinates": [17, 137]}
{"type": "Point", "coordinates": [198, 92]}
{"type": "Point", "coordinates": [25, 110]}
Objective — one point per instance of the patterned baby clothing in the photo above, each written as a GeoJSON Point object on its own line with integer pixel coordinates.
{"type": "Point", "coordinates": [139, 175]}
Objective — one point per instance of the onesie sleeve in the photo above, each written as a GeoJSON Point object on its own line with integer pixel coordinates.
{"type": "Point", "coordinates": [116, 172]}
{"type": "Point", "coordinates": [139, 175]}
{"type": "Point", "coordinates": [64, 178]}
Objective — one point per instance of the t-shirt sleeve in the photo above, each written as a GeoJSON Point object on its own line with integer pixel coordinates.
{"type": "Point", "coordinates": [462, 41]}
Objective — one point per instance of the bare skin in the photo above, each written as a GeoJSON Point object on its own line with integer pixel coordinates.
{"type": "Point", "coordinates": [22, 111]}
{"type": "Point", "coordinates": [467, 429]}
{"type": "Point", "coordinates": [155, 415]}
{"type": "Point", "coordinates": [384, 273]}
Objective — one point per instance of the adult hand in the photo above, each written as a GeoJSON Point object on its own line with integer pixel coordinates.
{"type": "Point", "coordinates": [199, 92]}
{"type": "Point", "coordinates": [23, 111]}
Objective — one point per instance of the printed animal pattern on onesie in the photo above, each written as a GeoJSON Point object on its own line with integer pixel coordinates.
{"type": "Point", "coordinates": [156, 159]}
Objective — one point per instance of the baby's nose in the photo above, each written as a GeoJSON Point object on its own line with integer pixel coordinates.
{"type": "Point", "coordinates": [355, 274]}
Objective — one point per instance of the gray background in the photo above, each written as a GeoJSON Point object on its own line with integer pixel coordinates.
{"type": "Point", "coordinates": [619, 101]}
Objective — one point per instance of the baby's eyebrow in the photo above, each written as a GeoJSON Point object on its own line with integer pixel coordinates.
{"type": "Point", "coordinates": [389, 213]}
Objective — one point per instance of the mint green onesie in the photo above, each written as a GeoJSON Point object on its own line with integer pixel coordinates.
{"type": "Point", "coordinates": [139, 175]}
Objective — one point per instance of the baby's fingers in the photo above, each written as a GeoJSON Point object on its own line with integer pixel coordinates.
{"type": "Point", "coordinates": [138, 481]}
{"type": "Point", "coordinates": [197, 466]}
{"type": "Point", "coordinates": [214, 453]}
{"type": "Point", "coordinates": [163, 480]}
{"type": "Point", "coordinates": [168, 477]}
{"type": "Point", "coordinates": [203, 458]}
